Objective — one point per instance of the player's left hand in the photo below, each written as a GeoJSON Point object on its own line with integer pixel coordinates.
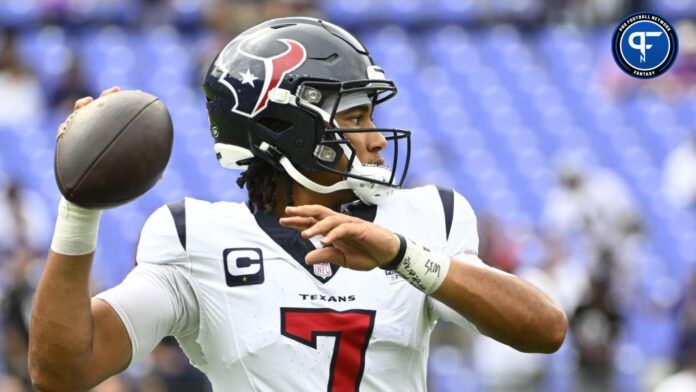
{"type": "Point", "coordinates": [351, 242]}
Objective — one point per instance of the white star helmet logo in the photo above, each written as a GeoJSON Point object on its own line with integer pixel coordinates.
{"type": "Point", "coordinates": [248, 77]}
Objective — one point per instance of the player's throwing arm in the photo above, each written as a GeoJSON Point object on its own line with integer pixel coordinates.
{"type": "Point", "coordinates": [76, 342]}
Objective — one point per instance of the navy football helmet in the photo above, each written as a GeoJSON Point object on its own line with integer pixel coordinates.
{"type": "Point", "coordinates": [273, 93]}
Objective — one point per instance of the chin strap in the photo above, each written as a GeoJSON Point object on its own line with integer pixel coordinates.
{"type": "Point", "coordinates": [309, 184]}
{"type": "Point", "coordinates": [366, 191]}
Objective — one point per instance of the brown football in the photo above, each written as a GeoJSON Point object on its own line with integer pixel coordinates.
{"type": "Point", "coordinates": [113, 150]}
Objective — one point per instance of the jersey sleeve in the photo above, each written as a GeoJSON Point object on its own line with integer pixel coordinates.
{"type": "Point", "coordinates": [463, 234]}
{"type": "Point", "coordinates": [163, 237]}
{"type": "Point", "coordinates": [462, 244]}
{"type": "Point", "coordinates": [156, 299]}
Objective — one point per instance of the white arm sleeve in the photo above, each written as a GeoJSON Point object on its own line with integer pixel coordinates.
{"type": "Point", "coordinates": [462, 244]}
{"type": "Point", "coordinates": [153, 301]}
{"type": "Point", "coordinates": [156, 299]}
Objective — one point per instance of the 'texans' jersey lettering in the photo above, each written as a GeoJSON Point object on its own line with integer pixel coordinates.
{"type": "Point", "coordinates": [253, 317]}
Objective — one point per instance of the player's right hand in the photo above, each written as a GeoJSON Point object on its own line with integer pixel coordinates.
{"type": "Point", "coordinates": [349, 241]}
{"type": "Point", "coordinates": [79, 104]}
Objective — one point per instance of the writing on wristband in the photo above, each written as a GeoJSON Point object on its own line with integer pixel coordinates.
{"type": "Point", "coordinates": [424, 269]}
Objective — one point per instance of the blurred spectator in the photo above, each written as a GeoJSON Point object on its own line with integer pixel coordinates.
{"type": "Point", "coordinates": [113, 384]}
{"type": "Point", "coordinates": [495, 246]}
{"type": "Point", "coordinates": [226, 19]}
{"type": "Point", "coordinates": [11, 384]}
{"type": "Point", "coordinates": [595, 204]}
{"type": "Point", "coordinates": [280, 8]}
{"type": "Point", "coordinates": [596, 325]}
{"type": "Point", "coordinates": [19, 246]}
{"type": "Point", "coordinates": [685, 378]}
{"type": "Point", "coordinates": [500, 367]}
{"type": "Point", "coordinates": [70, 88]}
{"type": "Point", "coordinates": [17, 296]}
{"type": "Point", "coordinates": [570, 276]}
{"type": "Point", "coordinates": [686, 354]}
{"type": "Point", "coordinates": [596, 207]}
{"type": "Point", "coordinates": [679, 176]}
{"type": "Point", "coordinates": [679, 382]}
{"type": "Point", "coordinates": [588, 11]}
{"type": "Point", "coordinates": [157, 12]}
{"type": "Point", "coordinates": [171, 371]}
{"type": "Point", "coordinates": [25, 222]}
{"type": "Point", "coordinates": [21, 100]}
{"type": "Point", "coordinates": [14, 227]}
{"type": "Point", "coordinates": [594, 212]}
{"type": "Point", "coordinates": [56, 11]}
{"type": "Point", "coordinates": [229, 18]}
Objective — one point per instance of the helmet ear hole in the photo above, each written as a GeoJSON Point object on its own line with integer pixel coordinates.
{"type": "Point", "coordinates": [276, 125]}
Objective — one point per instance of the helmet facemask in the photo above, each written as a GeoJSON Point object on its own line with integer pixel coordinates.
{"type": "Point", "coordinates": [370, 182]}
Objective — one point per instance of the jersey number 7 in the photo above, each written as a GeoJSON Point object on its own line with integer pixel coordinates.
{"type": "Point", "coordinates": [352, 330]}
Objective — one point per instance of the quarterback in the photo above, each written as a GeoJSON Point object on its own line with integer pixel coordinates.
{"type": "Point", "coordinates": [330, 277]}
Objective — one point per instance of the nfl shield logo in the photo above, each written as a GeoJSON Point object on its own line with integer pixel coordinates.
{"type": "Point", "coordinates": [322, 270]}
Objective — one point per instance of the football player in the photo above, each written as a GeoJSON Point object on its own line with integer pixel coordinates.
{"type": "Point", "coordinates": [330, 277]}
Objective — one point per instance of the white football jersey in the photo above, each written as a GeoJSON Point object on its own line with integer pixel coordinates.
{"type": "Point", "coordinates": [231, 285]}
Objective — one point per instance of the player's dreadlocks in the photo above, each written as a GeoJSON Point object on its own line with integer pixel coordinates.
{"type": "Point", "coordinates": [261, 180]}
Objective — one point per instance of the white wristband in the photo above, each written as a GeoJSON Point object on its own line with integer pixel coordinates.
{"type": "Point", "coordinates": [422, 268]}
{"type": "Point", "coordinates": [76, 229]}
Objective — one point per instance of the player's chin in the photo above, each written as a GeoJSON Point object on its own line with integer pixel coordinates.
{"type": "Point", "coordinates": [346, 196]}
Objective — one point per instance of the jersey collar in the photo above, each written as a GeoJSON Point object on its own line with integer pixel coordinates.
{"type": "Point", "coordinates": [361, 210]}
{"type": "Point", "coordinates": [292, 242]}
{"type": "Point", "coordinates": [289, 239]}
